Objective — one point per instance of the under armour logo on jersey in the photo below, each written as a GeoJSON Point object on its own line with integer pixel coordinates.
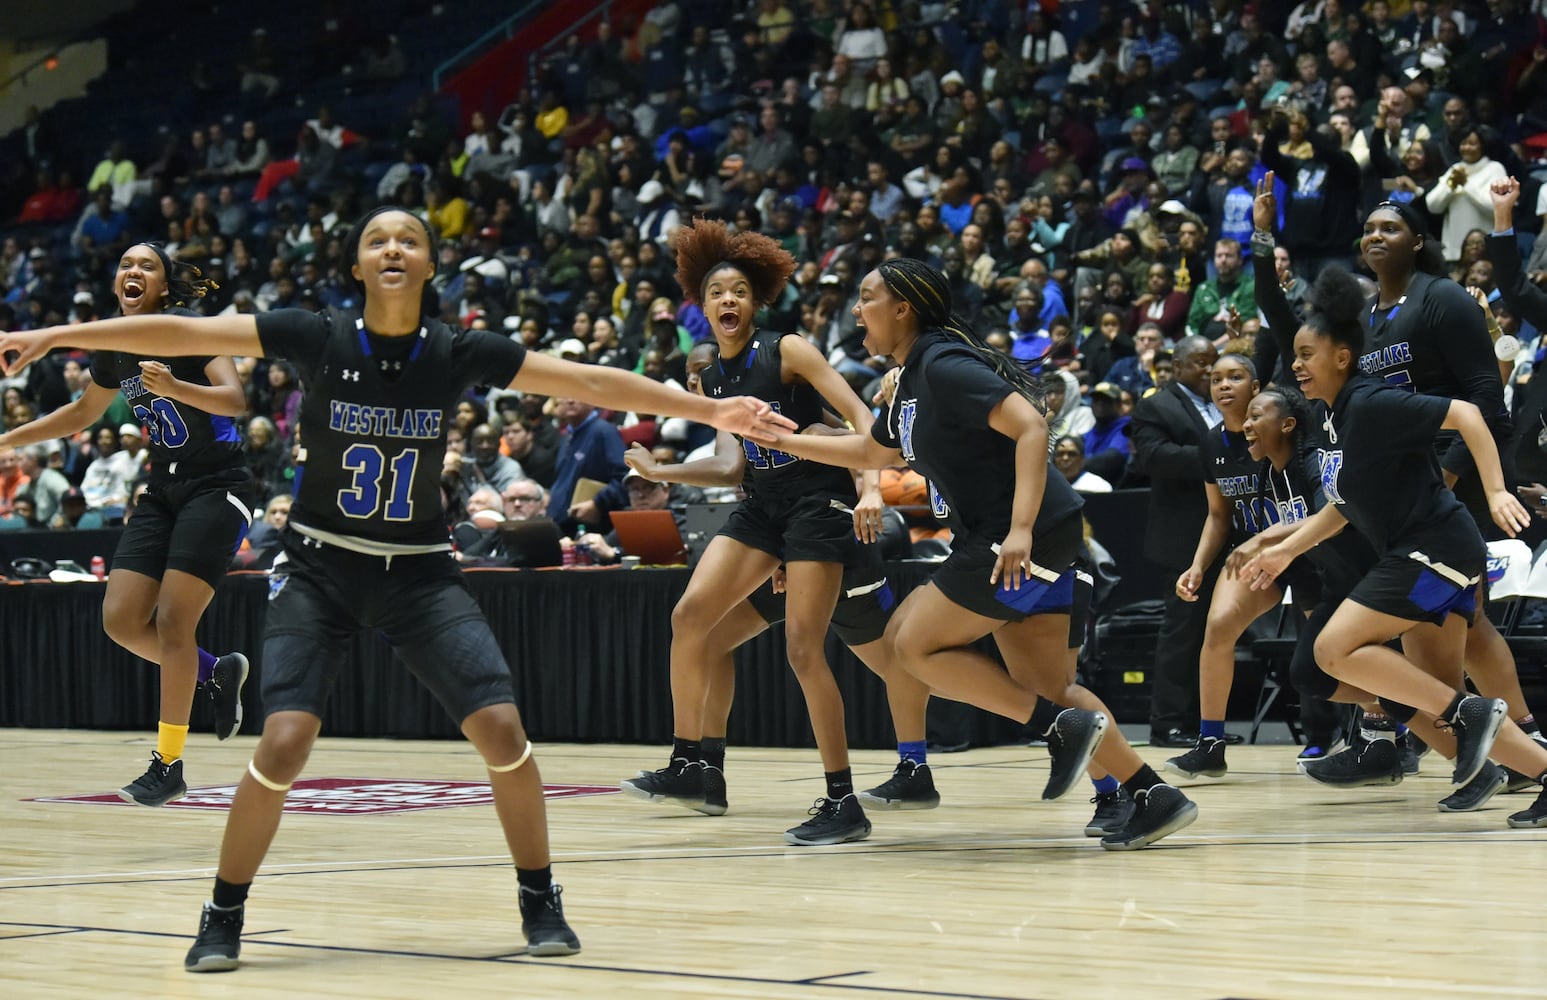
{"type": "Point", "coordinates": [719, 390]}
{"type": "Point", "coordinates": [351, 375]}
{"type": "Point", "coordinates": [392, 366]}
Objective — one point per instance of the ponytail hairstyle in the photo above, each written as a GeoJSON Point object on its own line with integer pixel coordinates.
{"type": "Point", "coordinates": [1429, 258]}
{"type": "Point", "coordinates": [429, 298]}
{"type": "Point", "coordinates": [927, 290]}
{"type": "Point", "coordinates": [186, 284]}
{"type": "Point", "coordinates": [706, 247]}
{"type": "Point", "coordinates": [1335, 306]}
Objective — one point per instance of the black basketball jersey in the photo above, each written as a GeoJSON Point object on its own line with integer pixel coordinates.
{"type": "Point", "coordinates": [374, 415]}
{"type": "Point", "coordinates": [938, 419]}
{"type": "Point", "coordinates": [758, 372]}
{"type": "Point", "coordinates": [177, 433]}
{"type": "Point", "coordinates": [1342, 560]}
{"type": "Point", "coordinates": [1229, 465]}
{"type": "Point", "coordinates": [1434, 340]}
{"type": "Point", "coordinates": [1375, 461]}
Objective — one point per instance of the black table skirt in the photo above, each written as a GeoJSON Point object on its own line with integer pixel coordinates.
{"type": "Point", "coordinates": [588, 650]}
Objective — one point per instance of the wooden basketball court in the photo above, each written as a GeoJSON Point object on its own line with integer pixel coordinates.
{"type": "Point", "coordinates": [1281, 889]}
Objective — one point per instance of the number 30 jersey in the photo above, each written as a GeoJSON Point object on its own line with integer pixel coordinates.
{"type": "Point", "coordinates": [374, 415]}
{"type": "Point", "coordinates": [758, 372]}
{"type": "Point", "coordinates": [176, 433]}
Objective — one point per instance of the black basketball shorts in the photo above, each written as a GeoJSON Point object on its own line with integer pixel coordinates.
{"type": "Point", "coordinates": [194, 526]}
{"type": "Point", "coordinates": [321, 595]}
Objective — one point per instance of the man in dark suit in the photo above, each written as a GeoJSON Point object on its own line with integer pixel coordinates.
{"type": "Point", "coordinates": [1168, 429]}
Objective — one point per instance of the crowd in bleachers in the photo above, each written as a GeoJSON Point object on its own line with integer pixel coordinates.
{"type": "Point", "coordinates": [1083, 173]}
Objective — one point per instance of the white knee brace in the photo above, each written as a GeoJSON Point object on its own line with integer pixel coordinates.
{"type": "Point", "coordinates": [507, 768]}
{"type": "Point", "coordinates": [266, 782]}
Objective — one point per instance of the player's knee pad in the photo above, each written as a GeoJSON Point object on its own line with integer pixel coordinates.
{"type": "Point", "coordinates": [264, 780]}
{"type": "Point", "coordinates": [507, 768]}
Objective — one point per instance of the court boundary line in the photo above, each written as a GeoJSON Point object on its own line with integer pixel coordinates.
{"type": "Point", "coordinates": [522, 959]}
{"type": "Point", "coordinates": [645, 855]}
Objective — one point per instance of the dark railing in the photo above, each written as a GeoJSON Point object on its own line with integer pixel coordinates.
{"type": "Point", "coordinates": [535, 59]}
{"type": "Point", "coordinates": [20, 75]}
{"type": "Point", "coordinates": [499, 33]}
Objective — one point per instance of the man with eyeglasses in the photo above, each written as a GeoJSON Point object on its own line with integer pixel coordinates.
{"type": "Point", "coordinates": [524, 500]}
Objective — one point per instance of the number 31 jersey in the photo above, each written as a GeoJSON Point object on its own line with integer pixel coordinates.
{"type": "Point", "coordinates": [374, 415]}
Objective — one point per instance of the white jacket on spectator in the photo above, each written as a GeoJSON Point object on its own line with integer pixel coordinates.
{"type": "Point", "coordinates": [1467, 207]}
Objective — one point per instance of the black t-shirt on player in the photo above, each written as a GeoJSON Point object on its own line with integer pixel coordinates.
{"type": "Point", "coordinates": [1376, 461]}
{"type": "Point", "coordinates": [374, 418]}
{"type": "Point", "coordinates": [176, 432]}
{"type": "Point", "coordinates": [758, 371]}
{"type": "Point", "coordinates": [1228, 464]}
{"type": "Point", "coordinates": [938, 419]}
{"type": "Point", "coordinates": [1434, 340]}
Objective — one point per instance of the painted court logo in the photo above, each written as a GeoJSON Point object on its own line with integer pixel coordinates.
{"type": "Point", "coordinates": [350, 796]}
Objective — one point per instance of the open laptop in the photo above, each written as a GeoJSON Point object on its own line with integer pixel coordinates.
{"type": "Point", "coordinates": [531, 543]}
{"type": "Point", "coordinates": [701, 522]}
{"type": "Point", "coordinates": [651, 535]}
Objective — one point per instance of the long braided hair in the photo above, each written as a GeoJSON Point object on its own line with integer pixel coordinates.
{"type": "Point", "coordinates": [928, 291]}
{"type": "Point", "coordinates": [186, 284]}
{"type": "Point", "coordinates": [1291, 403]}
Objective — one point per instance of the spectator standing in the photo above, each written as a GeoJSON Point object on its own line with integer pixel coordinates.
{"type": "Point", "coordinates": [861, 40]}
{"type": "Point", "coordinates": [268, 459]}
{"type": "Point", "coordinates": [592, 449]}
{"type": "Point", "coordinates": [1230, 290]}
{"type": "Point", "coordinates": [1168, 430]}
{"type": "Point", "coordinates": [1321, 218]}
{"type": "Point", "coordinates": [1462, 198]}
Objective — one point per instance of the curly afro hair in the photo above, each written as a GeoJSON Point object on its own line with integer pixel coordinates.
{"type": "Point", "coordinates": [705, 246]}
